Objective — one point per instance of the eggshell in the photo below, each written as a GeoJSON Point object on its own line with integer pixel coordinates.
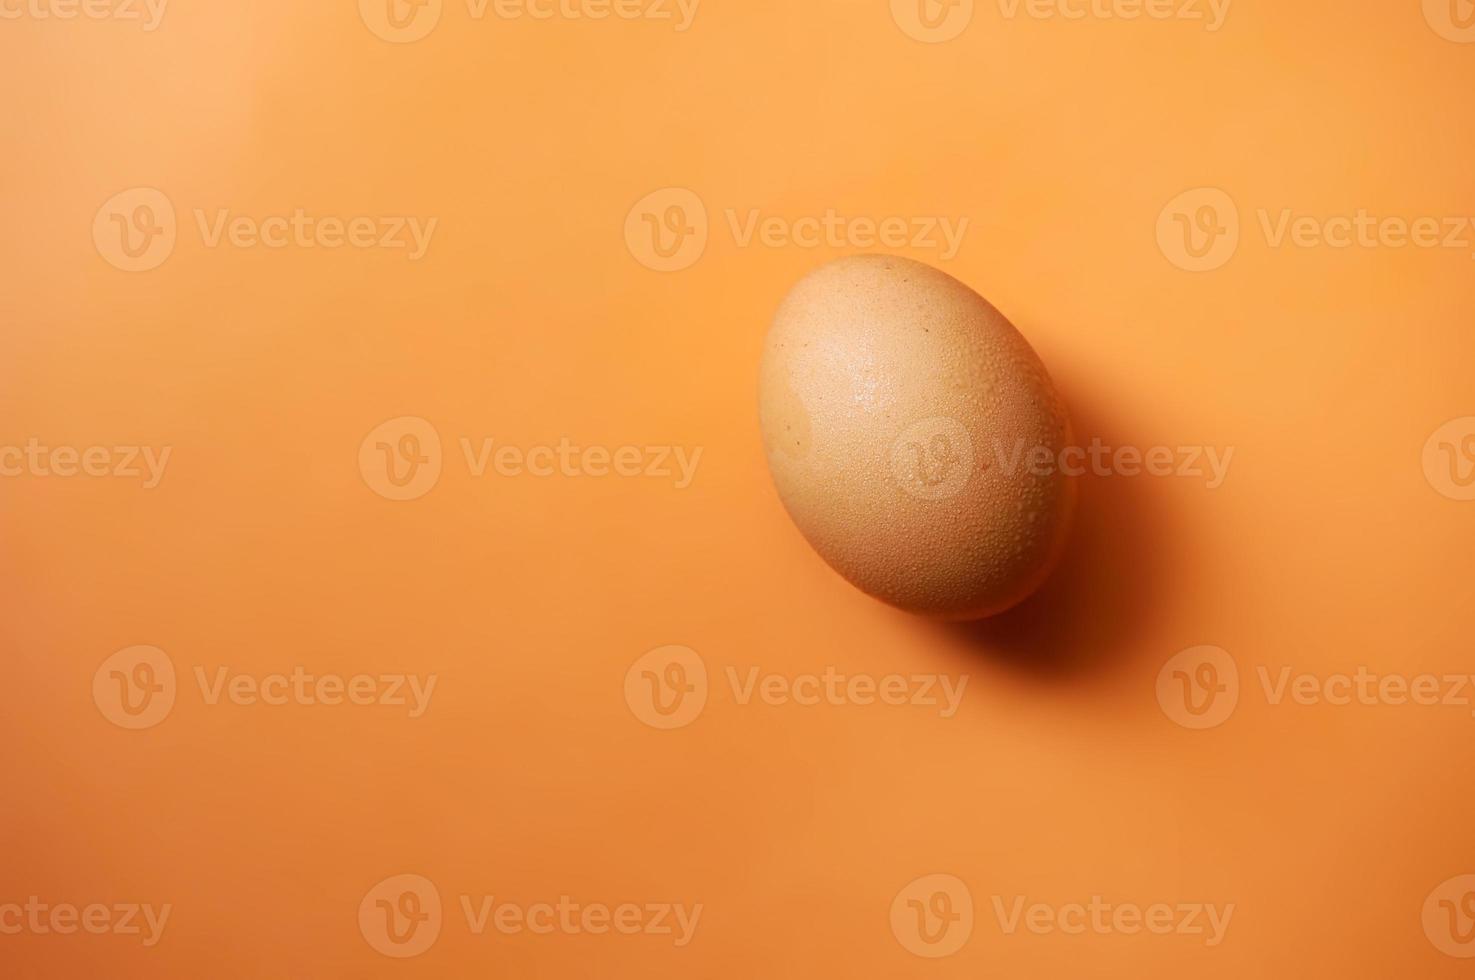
{"type": "Point", "coordinates": [915, 437]}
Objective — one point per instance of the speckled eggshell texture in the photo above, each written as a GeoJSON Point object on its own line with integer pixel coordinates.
{"type": "Point", "coordinates": [915, 437]}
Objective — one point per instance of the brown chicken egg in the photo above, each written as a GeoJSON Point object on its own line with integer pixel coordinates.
{"type": "Point", "coordinates": [915, 437]}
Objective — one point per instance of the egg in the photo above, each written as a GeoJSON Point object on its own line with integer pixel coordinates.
{"type": "Point", "coordinates": [915, 437]}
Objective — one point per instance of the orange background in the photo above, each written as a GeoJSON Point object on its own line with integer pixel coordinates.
{"type": "Point", "coordinates": [530, 320]}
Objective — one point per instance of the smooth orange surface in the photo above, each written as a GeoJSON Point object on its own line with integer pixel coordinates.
{"type": "Point", "coordinates": [811, 836]}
